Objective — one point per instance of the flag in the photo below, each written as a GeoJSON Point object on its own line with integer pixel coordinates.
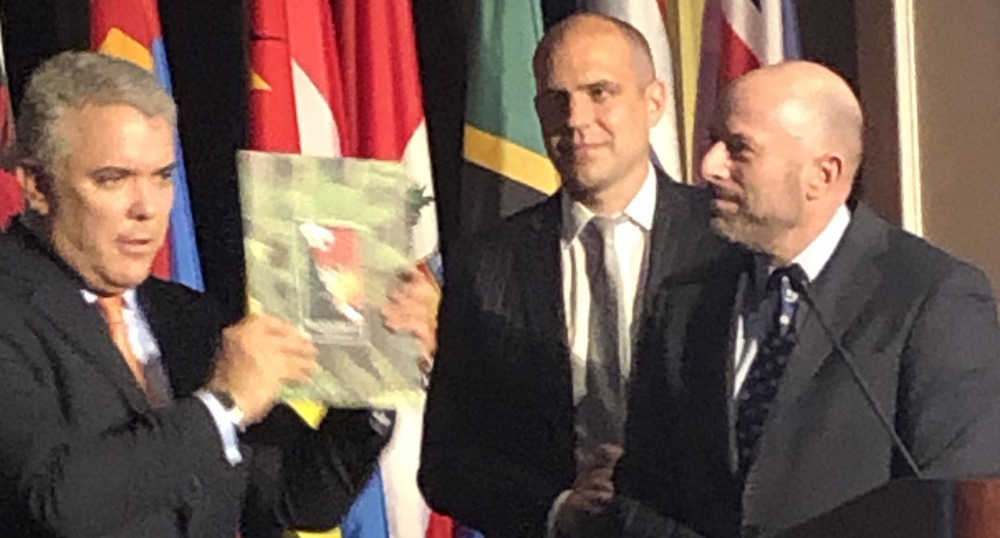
{"type": "Point", "coordinates": [739, 36]}
{"type": "Point", "coordinates": [650, 18]}
{"type": "Point", "coordinates": [11, 200]}
{"type": "Point", "coordinates": [342, 79]}
{"type": "Point", "coordinates": [684, 28]}
{"type": "Point", "coordinates": [130, 29]}
{"type": "Point", "coordinates": [506, 167]}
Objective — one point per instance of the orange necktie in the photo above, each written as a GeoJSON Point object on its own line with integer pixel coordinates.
{"type": "Point", "coordinates": [114, 308]}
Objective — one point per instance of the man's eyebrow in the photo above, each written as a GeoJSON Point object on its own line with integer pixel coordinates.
{"type": "Point", "coordinates": [167, 170]}
{"type": "Point", "coordinates": [732, 137]}
{"type": "Point", "coordinates": [112, 170]}
{"type": "Point", "coordinates": [603, 83]}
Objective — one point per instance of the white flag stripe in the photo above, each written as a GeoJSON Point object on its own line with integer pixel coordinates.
{"type": "Point", "coordinates": [774, 46]}
{"type": "Point", "coordinates": [2, 55]}
{"type": "Point", "coordinates": [318, 134]}
{"type": "Point", "coordinates": [417, 159]}
{"type": "Point", "coordinates": [405, 508]}
{"type": "Point", "coordinates": [646, 17]}
{"type": "Point", "coordinates": [760, 28]}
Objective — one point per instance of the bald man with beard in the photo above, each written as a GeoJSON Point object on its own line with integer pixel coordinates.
{"type": "Point", "coordinates": [743, 418]}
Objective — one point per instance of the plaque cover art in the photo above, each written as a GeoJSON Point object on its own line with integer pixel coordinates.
{"type": "Point", "coordinates": [324, 238]}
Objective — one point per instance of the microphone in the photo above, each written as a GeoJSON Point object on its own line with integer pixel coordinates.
{"type": "Point", "coordinates": [859, 380]}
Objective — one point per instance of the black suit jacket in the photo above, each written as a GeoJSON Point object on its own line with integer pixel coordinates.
{"type": "Point", "coordinates": [83, 454]}
{"type": "Point", "coordinates": [498, 438]}
{"type": "Point", "coordinates": [922, 328]}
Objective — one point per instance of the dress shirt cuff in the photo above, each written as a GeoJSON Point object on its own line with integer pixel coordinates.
{"type": "Point", "coordinates": [381, 422]}
{"type": "Point", "coordinates": [227, 430]}
{"type": "Point", "coordinates": [550, 524]}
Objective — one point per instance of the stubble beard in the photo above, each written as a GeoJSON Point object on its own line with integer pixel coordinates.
{"type": "Point", "coordinates": [755, 232]}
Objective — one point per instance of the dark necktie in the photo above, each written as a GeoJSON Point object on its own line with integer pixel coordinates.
{"type": "Point", "coordinates": [779, 304]}
{"type": "Point", "coordinates": [601, 413]}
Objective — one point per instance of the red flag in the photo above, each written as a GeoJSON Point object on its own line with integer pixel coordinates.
{"type": "Point", "coordinates": [345, 82]}
{"type": "Point", "coordinates": [737, 37]}
{"type": "Point", "coordinates": [296, 100]}
{"type": "Point", "coordinates": [130, 29]}
{"type": "Point", "coordinates": [11, 201]}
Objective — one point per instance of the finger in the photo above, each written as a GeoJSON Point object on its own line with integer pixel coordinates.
{"type": "Point", "coordinates": [595, 502]}
{"type": "Point", "coordinates": [396, 295]}
{"type": "Point", "coordinates": [602, 484]}
{"type": "Point", "coordinates": [298, 370]}
{"type": "Point", "coordinates": [293, 356]}
{"type": "Point", "coordinates": [410, 274]}
{"type": "Point", "coordinates": [426, 364]}
{"type": "Point", "coordinates": [296, 347]}
{"type": "Point", "coordinates": [608, 454]}
{"type": "Point", "coordinates": [424, 334]}
{"type": "Point", "coordinates": [426, 291]}
{"type": "Point", "coordinates": [601, 474]}
{"type": "Point", "coordinates": [263, 324]}
{"type": "Point", "coordinates": [391, 320]}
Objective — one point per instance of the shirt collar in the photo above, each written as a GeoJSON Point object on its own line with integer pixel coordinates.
{"type": "Point", "coordinates": [129, 295]}
{"type": "Point", "coordinates": [814, 258]}
{"type": "Point", "coordinates": [640, 211]}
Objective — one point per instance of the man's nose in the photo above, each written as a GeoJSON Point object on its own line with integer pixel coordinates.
{"type": "Point", "coordinates": [580, 111]}
{"type": "Point", "coordinates": [715, 163]}
{"type": "Point", "coordinates": [150, 197]}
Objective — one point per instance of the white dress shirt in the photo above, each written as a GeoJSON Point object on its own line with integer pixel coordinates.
{"type": "Point", "coordinates": [812, 260]}
{"type": "Point", "coordinates": [144, 346]}
{"type": "Point", "coordinates": [632, 247]}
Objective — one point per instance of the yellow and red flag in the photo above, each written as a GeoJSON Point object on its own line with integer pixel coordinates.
{"type": "Point", "coordinates": [130, 29]}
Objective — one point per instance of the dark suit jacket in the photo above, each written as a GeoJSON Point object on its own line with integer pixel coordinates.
{"type": "Point", "coordinates": [498, 438]}
{"type": "Point", "coordinates": [83, 454]}
{"type": "Point", "coordinates": [922, 328]}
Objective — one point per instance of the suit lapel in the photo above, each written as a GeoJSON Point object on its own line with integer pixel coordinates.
{"type": "Point", "coordinates": [85, 330]}
{"type": "Point", "coordinates": [662, 252]}
{"type": "Point", "coordinates": [839, 294]}
{"type": "Point", "coordinates": [538, 269]}
{"type": "Point", "coordinates": [55, 293]}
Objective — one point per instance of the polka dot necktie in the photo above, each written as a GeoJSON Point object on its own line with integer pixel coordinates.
{"type": "Point", "coordinates": [779, 304]}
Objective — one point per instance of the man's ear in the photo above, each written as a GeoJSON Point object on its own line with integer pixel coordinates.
{"type": "Point", "coordinates": [35, 187]}
{"type": "Point", "coordinates": [657, 94]}
{"type": "Point", "coordinates": [829, 169]}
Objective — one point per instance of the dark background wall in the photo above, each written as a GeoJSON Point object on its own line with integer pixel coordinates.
{"type": "Point", "coordinates": [205, 45]}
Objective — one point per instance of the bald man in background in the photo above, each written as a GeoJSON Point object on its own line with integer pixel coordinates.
{"type": "Point", "coordinates": [744, 419]}
{"type": "Point", "coordinates": [526, 404]}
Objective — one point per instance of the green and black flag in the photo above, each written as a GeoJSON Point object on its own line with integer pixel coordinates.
{"type": "Point", "coordinates": [505, 168]}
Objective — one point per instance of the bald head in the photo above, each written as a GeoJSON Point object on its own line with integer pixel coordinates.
{"type": "Point", "coordinates": [786, 147]}
{"type": "Point", "coordinates": [811, 103]}
{"type": "Point", "coordinates": [585, 26]}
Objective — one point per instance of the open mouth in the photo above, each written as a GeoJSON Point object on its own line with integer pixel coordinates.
{"type": "Point", "coordinates": [134, 245]}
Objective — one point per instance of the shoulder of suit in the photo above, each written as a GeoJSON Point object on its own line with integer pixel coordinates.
{"type": "Point", "coordinates": [689, 196]}
{"type": "Point", "coordinates": [22, 269]}
{"type": "Point", "coordinates": [170, 290]}
{"type": "Point", "coordinates": [492, 250]}
{"type": "Point", "coordinates": [923, 264]}
{"type": "Point", "coordinates": [543, 216]}
{"type": "Point", "coordinates": [175, 296]}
